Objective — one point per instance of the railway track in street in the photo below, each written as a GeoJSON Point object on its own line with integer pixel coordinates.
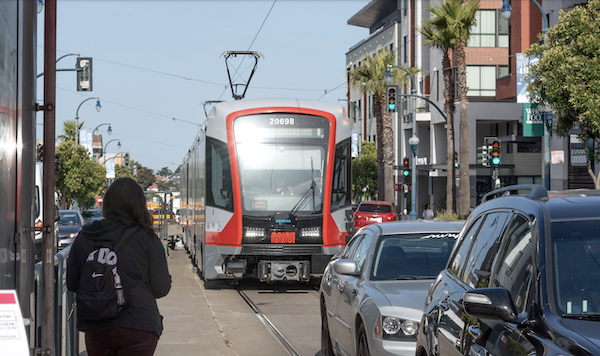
{"type": "Point", "coordinates": [289, 311]}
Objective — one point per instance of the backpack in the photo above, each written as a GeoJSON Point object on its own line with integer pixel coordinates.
{"type": "Point", "coordinates": [100, 294]}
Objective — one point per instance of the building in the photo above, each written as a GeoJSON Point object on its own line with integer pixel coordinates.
{"type": "Point", "coordinates": [492, 109]}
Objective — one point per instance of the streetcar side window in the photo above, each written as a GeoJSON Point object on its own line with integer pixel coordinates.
{"type": "Point", "coordinates": [219, 186]}
{"type": "Point", "coordinates": [340, 192]}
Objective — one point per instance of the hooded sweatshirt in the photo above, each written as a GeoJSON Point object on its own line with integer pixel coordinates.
{"type": "Point", "coordinates": [142, 258]}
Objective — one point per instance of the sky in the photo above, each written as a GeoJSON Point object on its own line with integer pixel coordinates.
{"type": "Point", "coordinates": [156, 61]}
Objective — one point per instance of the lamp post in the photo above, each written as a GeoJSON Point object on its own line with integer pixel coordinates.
{"type": "Point", "coordinates": [414, 138]}
{"type": "Point", "coordinates": [506, 12]}
{"type": "Point", "coordinates": [109, 128]}
{"type": "Point", "coordinates": [359, 123]}
{"type": "Point", "coordinates": [98, 108]}
{"type": "Point", "coordinates": [118, 146]}
{"type": "Point", "coordinates": [413, 142]}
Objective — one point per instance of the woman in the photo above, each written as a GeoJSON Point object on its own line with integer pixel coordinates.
{"type": "Point", "coordinates": [142, 267]}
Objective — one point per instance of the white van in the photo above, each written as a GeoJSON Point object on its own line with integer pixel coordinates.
{"type": "Point", "coordinates": [39, 211]}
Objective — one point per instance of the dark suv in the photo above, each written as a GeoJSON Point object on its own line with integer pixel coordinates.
{"type": "Point", "coordinates": [522, 279]}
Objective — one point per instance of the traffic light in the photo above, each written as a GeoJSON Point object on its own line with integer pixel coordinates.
{"type": "Point", "coordinates": [84, 74]}
{"type": "Point", "coordinates": [57, 162]}
{"type": "Point", "coordinates": [405, 168]}
{"type": "Point", "coordinates": [40, 152]}
{"type": "Point", "coordinates": [483, 156]}
{"type": "Point", "coordinates": [135, 171]}
{"type": "Point", "coordinates": [455, 160]}
{"type": "Point", "coordinates": [126, 159]}
{"type": "Point", "coordinates": [495, 152]}
{"type": "Point", "coordinates": [391, 97]}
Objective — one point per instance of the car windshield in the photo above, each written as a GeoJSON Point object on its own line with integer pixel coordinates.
{"type": "Point", "coordinates": [68, 218]}
{"type": "Point", "coordinates": [92, 214]}
{"type": "Point", "coordinates": [375, 208]}
{"type": "Point", "coordinates": [409, 256]}
{"type": "Point", "coordinates": [576, 266]}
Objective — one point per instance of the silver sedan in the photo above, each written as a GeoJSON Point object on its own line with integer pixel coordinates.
{"type": "Point", "coordinates": [372, 294]}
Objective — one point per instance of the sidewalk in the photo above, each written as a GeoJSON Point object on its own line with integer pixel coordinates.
{"type": "Point", "coordinates": [206, 319]}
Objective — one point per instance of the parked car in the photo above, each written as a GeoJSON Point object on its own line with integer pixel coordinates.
{"type": "Point", "coordinates": [69, 225]}
{"type": "Point", "coordinates": [373, 212]}
{"type": "Point", "coordinates": [91, 215]}
{"type": "Point", "coordinates": [523, 278]}
{"type": "Point", "coordinates": [372, 295]}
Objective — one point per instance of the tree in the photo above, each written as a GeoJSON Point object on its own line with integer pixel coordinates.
{"type": "Point", "coordinates": [165, 172]}
{"type": "Point", "coordinates": [78, 176]}
{"type": "Point", "coordinates": [456, 18]}
{"type": "Point", "coordinates": [439, 35]}
{"type": "Point", "coordinates": [364, 171]}
{"type": "Point", "coordinates": [369, 78]}
{"type": "Point", "coordinates": [145, 177]}
{"type": "Point", "coordinates": [71, 129]}
{"type": "Point", "coordinates": [567, 76]}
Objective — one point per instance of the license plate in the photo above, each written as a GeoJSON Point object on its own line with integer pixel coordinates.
{"type": "Point", "coordinates": [283, 237]}
{"type": "Point", "coordinates": [376, 220]}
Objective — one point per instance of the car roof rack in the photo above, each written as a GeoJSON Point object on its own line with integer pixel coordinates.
{"type": "Point", "coordinates": [535, 191]}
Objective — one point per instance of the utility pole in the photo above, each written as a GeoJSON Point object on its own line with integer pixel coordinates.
{"type": "Point", "coordinates": [48, 243]}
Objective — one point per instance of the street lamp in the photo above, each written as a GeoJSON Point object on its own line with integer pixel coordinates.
{"type": "Point", "coordinates": [359, 123]}
{"type": "Point", "coordinates": [98, 108]}
{"type": "Point", "coordinates": [118, 145]}
{"type": "Point", "coordinates": [109, 128]}
{"type": "Point", "coordinates": [414, 138]}
{"type": "Point", "coordinates": [506, 11]}
{"type": "Point", "coordinates": [413, 142]}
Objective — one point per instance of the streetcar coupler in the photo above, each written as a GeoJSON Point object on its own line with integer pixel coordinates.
{"type": "Point", "coordinates": [273, 271]}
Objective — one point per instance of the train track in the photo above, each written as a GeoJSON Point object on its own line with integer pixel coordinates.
{"type": "Point", "coordinates": [270, 326]}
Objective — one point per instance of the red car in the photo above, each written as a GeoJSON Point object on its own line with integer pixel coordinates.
{"type": "Point", "coordinates": [373, 212]}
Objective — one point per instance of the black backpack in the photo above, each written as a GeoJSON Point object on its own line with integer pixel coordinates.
{"type": "Point", "coordinates": [100, 294]}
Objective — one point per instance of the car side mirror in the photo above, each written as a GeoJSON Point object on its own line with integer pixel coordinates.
{"type": "Point", "coordinates": [490, 303]}
{"type": "Point", "coordinates": [345, 266]}
{"type": "Point", "coordinates": [56, 213]}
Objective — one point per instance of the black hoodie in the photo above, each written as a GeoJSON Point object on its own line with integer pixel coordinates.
{"type": "Point", "coordinates": [142, 257]}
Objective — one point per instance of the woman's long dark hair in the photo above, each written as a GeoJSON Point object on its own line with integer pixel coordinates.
{"type": "Point", "coordinates": [125, 202]}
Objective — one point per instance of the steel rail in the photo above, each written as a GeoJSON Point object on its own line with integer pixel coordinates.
{"type": "Point", "coordinates": [270, 326]}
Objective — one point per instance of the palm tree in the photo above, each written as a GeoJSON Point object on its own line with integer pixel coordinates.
{"type": "Point", "coordinates": [455, 19]}
{"type": "Point", "coordinates": [71, 130]}
{"type": "Point", "coordinates": [438, 35]}
{"type": "Point", "coordinates": [370, 79]}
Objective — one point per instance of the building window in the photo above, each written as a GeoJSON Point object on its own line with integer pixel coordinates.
{"type": "Point", "coordinates": [405, 49]}
{"type": "Point", "coordinates": [491, 30]}
{"type": "Point", "coordinates": [481, 80]}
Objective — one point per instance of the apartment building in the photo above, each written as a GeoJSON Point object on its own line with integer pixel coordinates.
{"type": "Point", "coordinates": [492, 109]}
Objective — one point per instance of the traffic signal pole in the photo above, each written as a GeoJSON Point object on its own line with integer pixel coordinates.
{"type": "Point", "coordinates": [48, 243]}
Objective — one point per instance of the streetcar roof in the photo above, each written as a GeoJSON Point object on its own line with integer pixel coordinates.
{"type": "Point", "coordinates": [223, 109]}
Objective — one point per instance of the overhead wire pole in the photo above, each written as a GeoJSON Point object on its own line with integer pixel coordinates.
{"type": "Point", "coordinates": [48, 243]}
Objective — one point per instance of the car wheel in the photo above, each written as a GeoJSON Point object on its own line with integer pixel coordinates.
{"type": "Point", "coordinates": [362, 348]}
{"type": "Point", "coordinates": [326, 348]}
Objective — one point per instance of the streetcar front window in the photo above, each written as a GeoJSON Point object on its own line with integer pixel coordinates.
{"type": "Point", "coordinates": [281, 166]}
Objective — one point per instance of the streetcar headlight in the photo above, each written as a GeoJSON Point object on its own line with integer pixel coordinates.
{"type": "Point", "coordinates": [392, 328]}
{"type": "Point", "coordinates": [311, 232]}
{"type": "Point", "coordinates": [254, 232]}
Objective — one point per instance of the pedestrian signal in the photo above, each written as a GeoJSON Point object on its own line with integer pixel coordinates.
{"type": "Point", "coordinates": [84, 74]}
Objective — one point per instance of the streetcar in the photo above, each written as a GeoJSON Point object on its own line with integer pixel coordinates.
{"type": "Point", "coordinates": [265, 190]}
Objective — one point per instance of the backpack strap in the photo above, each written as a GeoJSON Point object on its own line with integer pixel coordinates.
{"type": "Point", "coordinates": [127, 234]}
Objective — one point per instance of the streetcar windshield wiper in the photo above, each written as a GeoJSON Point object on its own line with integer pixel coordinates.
{"type": "Point", "coordinates": [305, 196]}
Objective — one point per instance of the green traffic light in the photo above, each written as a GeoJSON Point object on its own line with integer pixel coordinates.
{"type": "Point", "coordinates": [455, 164]}
{"type": "Point", "coordinates": [496, 160]}
{"type": "Point", "coordinates": [392, 106]}
{"type": "Point", "coordinates": [405, 173]}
